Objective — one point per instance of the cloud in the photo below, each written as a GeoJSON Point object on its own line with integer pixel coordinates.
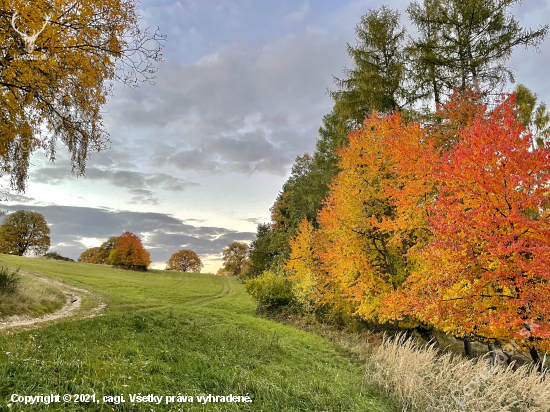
{"type": "Point", "coordinates": [118, 178]}
{"type": "Point", "coordinates": [73, 227]}
{"type": "Point", "coordinates": [255, 220]}
{"type": "Point", "coordinates": [113, 158]}
{"type": "Point", "coordinates": [10, 197]}
{"type": "Point", "coordinates": [144, 197]}
{"type": "Point", "coordinates": [299, 14]}
{"type": "Point", "coordinates": [246, 108]}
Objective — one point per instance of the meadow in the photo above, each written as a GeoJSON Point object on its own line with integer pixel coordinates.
{"type": "Point", "coordinates": [165, 333]}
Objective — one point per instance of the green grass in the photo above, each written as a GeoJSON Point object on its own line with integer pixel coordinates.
{"type": "Point", "coordinates": [165, 333]}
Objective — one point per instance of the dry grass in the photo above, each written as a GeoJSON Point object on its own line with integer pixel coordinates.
{"type": "Point", "coordinates": [33, 297]}
{"type": "Point", "coordinates": [420, 379]}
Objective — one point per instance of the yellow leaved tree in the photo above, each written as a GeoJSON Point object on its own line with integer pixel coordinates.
{"type": "Point", "coordinates": [59, 60]}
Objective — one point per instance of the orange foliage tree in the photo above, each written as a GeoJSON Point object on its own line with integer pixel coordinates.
{"type": "Point", "coordinates": [90, 256]}
{"type": "Point", "coordinates": [129, 253]}
{"type": "Point", "coordinates": [486, 273]}
{"type": "Point", "coordinates": [372, 217]}
{"type": "Point", "coordinates": [185, 261]}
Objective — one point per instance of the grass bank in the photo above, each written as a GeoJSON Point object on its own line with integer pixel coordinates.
{"type": "Point", "coordinates": [165, 333]}
{"type": "Point", "coordinates": [32, 297]}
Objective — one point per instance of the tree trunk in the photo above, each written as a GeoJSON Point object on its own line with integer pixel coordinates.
{"type": "Point", "coordinates": [536, 358]}
{"type": "Point", "coordinates": [492, 353]}
{"type": "Point", "coordinates": [427, 335]}
{"type": "Point", "coordinates": [468, 347]}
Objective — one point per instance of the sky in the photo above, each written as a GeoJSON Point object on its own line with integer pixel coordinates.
{"type": "Point", "coordinates": [197, 159]}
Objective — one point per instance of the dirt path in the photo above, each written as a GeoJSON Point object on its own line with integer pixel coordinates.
{"type": "Point", "coordinates": [72, 304]}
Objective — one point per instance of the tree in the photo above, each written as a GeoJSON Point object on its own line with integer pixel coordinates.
{"type": "Point", "coordinates": [302, 267]}
{"type": "Point", "coordinates": [379, 79]}
{"type": "Point", "coordinates": [185, 261]}
{"type": "Point", "coordinates": [535, 118]}
{"type": "Point", "coordinates": [373, 215]}
{"type": "Point", "coordinates": [105, 251]}
{"type": "Point", "coordinates": [56, 256]}
{"type": "Point", "coordinates": [90, 256]}
{"type": "Point", "coordinates": [60, 61]}
{"type": "Point", "coordinates": [486, 273]}
{"type": "Point", "coordinates": [129, 253]}
{"type": "Point", "coordinates": [465, 44]}
{"type": "Point", "coordinates": [23, 232]}
{"type": "Point", "coordinates": [234, 258]}
{"type": "Point", "coordinates": [99, 255]}
{"type": "Point", "coordinates": [261, 253]}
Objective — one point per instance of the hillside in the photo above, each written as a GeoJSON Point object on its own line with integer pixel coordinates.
{"type": "Point", "coordinates": [164, 334]}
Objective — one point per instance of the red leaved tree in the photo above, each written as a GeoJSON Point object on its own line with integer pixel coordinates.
{"type": "Point", "coordinates": [129, 253]}
{"type": "Point", "coordinates": [486, 273]}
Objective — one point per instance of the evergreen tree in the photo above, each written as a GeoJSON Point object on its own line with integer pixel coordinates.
{"type": "Point", "coordinates": [535, 118]}
{"type": "Point", "coordinates": [466, 44]}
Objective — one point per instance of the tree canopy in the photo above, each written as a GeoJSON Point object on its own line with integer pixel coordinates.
{"type": "Point", "coordinates": [465, 44]}
{"type": "Point", "coordinates": [129, 253]}
{"type": "Point", "coordinates": [185, 261]}
{"type": "Point", "coordinates": [235, 260]}
{"type": "Point", "coordinates": [425, 203]}
{"type": "Point", "coordinates": [99, 255]}
{"type": "Point", "coordinates": [59, 63]}
{"type": "Point", "coordinates": [24, 232]}
{"type": "Point", "coordinates": [459, 45]}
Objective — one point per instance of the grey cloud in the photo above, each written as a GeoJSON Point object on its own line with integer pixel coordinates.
{"type": "Point", "coordinates": [138, 180]}
{"type": "Point", "coordinates": [163, 234]}
{"type": "Point", "coordinates": [140, 185]}
{"type": "Point", "coordinates": [195, 159]}
{"type": "Point", "coordinates": [246, 153]}
{"type": "Point", "coordinates": [144, 197]}
{"type": "Point", "coordinates": [10, 197]}
{"type": "Point", "coordinates": [113, 159]}
{"type": "Point", "coordinates": [255, 220]}
{"type": "Point", "coordinates": [244, 109]}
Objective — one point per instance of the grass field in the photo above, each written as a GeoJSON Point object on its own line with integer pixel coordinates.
{"type": "Point", "coordinates": [165, 333]}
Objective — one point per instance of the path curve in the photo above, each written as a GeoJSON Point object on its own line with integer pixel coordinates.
{"type": "Point", "coordinates": [72, 303]}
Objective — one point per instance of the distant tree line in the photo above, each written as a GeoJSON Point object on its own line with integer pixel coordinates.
{"type": "Point", "coordinates": [24, 232]}
{"type": "Point", "coordinates": [127, 251]}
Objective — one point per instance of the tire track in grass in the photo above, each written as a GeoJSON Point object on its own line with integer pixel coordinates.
{"type": "Point", "coordinates": [227, 290]}
{"type": "Point", "coordinates": [74, 300]}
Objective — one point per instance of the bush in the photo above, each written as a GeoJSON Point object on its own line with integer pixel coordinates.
{"type": "Point", "coordinates": [423, 380]}
{"type": "Point", "coordinates": [57, 256]}
{"type": "Point", "coordinates": [272, 292]}
{"type": "Point", "coordinates": [9, 280]}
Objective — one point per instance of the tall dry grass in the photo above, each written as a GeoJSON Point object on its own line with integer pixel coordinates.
{"type": "Point", "coordinates": [421, 379]}
{"type": "Point", "coordinates": [32, 297]}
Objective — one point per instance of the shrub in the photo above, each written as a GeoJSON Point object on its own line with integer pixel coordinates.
{"type": "Point", "coordinates": [57, 256]}
{"type": "Point", "coordinates": [424, 381]}
{"type": "Point", "coordinates": [271, 291]}
{"type": "Point", "coordinates": [9, 280]}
